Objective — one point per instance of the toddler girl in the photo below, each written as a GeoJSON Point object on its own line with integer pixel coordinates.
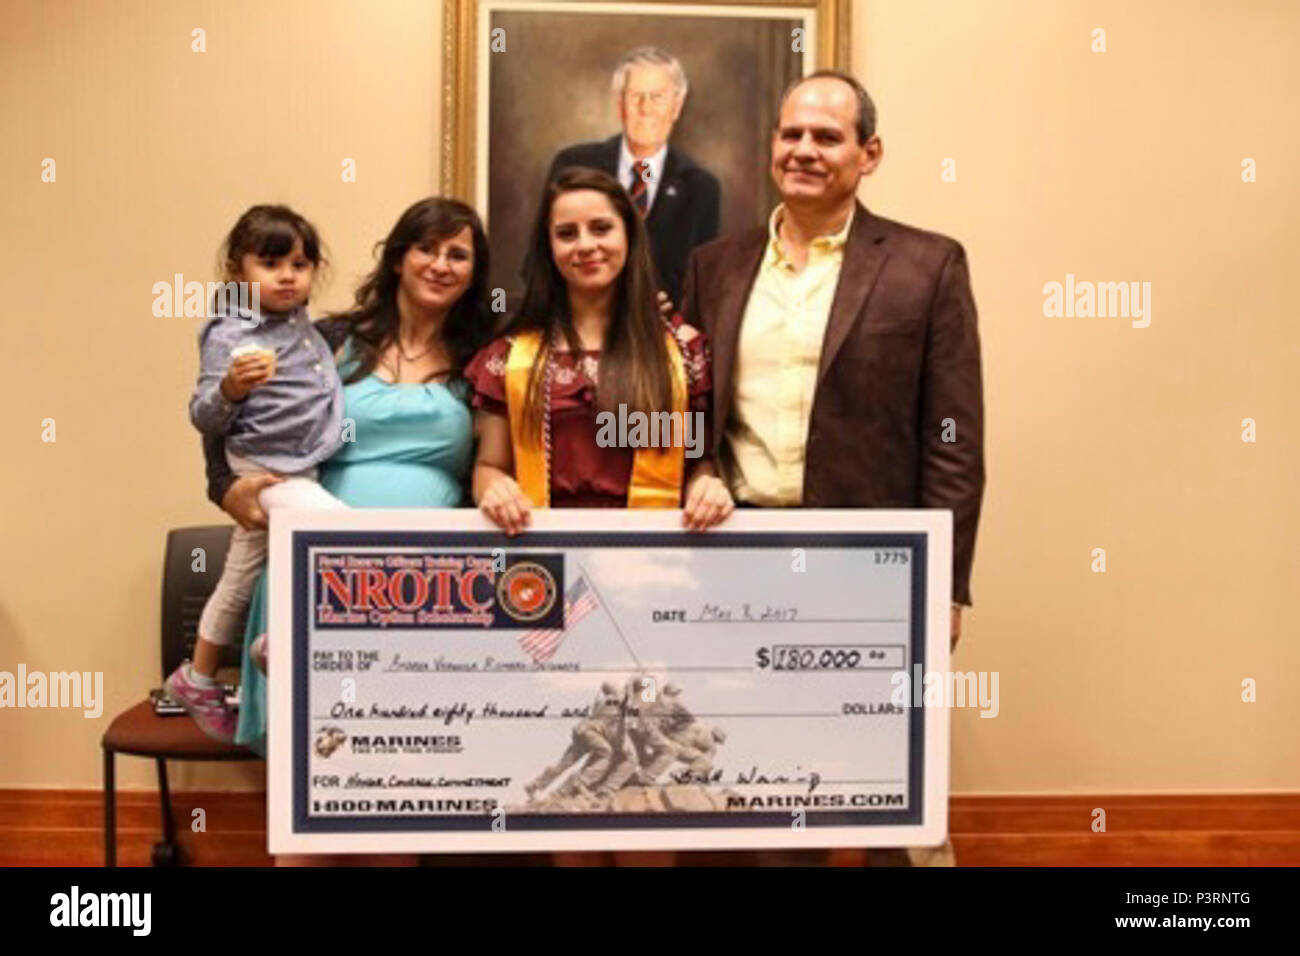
{"type": "Point", "coordinates": [268, 383]}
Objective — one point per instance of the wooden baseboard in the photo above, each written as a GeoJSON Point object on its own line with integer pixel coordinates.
{"type": "Point", "coordinates": [1229, 829]}
{"type": "Point", "coordinates": [64, 828]}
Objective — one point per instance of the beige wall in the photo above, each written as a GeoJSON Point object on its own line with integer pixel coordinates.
{"type": "Point", "coordinates": [1116, 166]}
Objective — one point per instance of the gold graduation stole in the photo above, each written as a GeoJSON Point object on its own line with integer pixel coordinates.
{"type": "Point", "coordinates": [657, 473]}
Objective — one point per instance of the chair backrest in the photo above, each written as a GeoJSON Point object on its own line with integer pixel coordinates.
{"type": "Point", "coordinates": [191, 568]}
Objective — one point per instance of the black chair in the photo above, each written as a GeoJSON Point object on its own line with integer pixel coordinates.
{"type": "Point", "coordinates": [139, 731]}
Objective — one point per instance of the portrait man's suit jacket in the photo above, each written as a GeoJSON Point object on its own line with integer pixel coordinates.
{"type": "Point", "coordinates": [685, 210]}
{"type": "Point", "coordinates": [900, 358]}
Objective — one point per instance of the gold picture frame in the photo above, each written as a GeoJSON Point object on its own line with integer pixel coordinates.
{"type": "Point", "coordinates": [461, 47]}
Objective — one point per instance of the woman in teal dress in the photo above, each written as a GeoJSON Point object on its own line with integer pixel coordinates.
{"type": "Point", "coordinates": [412, 450]}
{"type": "Point", "coordinates": [419, 318]}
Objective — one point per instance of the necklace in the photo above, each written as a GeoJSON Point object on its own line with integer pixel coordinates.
{"type": "Point", "coordinates": [401, 354]}
{"type": "Point", "coordinates": [397, 340]}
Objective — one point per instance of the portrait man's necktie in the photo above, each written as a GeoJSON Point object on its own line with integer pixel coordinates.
{"type": "Point", "coordinates": [637, 187]}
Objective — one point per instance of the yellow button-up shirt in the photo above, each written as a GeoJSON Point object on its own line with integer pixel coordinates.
{"type": "Point", "coordinates": [776, 368]}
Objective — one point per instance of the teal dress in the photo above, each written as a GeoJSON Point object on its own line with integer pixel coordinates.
{"type": "Point", "coordinates": [411, 448]}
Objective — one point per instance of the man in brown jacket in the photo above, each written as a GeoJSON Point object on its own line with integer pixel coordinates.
{"type": "Point", "coordinates": [846, 360]}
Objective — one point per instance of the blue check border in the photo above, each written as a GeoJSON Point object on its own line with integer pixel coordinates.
{"type": "Point", "coordinates": [303, 541]}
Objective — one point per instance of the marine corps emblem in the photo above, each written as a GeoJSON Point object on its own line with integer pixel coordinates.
{"type": "Point", "coordinates": [329, 739]}
{"type": "Point", "coordinates": [526, 591]}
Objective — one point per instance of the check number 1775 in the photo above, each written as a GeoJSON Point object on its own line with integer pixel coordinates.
{"type": "Point", "coordinates": [892, 557]}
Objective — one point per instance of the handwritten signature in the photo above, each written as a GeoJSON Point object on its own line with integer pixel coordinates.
{"type": "Point", "coordinates": [752, 776]}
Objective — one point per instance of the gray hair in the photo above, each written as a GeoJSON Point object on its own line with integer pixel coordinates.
{"type": "Point", "coordinates": [648, 56]}
{"type": "Point", "coordinates": [866, 119]}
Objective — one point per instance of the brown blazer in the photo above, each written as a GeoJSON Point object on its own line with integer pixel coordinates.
{"type": "Point", "coordinates": [901, 355]}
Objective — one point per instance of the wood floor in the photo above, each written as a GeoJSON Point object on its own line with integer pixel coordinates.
{"type": "Point", "coordinates": [64, 828]}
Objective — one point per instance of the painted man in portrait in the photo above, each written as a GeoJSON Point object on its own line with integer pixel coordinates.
{"type": "Point", "coordinates": [678, 198]}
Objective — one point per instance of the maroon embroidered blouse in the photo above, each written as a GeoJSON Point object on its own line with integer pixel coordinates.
{"type": "Point", "coordinates": [583, 474]}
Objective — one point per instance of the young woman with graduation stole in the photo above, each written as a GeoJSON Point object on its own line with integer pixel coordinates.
{"type": "Point", "coordinates": [588, 338]}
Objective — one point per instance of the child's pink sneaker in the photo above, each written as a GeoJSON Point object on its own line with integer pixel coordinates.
{"type": "Point", "coordinates": [207, 705]}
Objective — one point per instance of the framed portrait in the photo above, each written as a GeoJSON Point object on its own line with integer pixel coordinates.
{"type": "Point", "coordinates": [530, 86]}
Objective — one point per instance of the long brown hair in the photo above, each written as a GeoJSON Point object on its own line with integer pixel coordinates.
{"type": "Point", "coordinates": [634, 361]}
{"type": "Point", "coordinates": [374, 319]}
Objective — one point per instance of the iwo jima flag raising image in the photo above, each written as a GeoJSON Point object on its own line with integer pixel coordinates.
{"type": "Point", "coordinates": [622, 683]}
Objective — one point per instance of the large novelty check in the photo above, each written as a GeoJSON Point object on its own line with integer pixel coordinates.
{"type": "Point", "coordinates": [606, 680]}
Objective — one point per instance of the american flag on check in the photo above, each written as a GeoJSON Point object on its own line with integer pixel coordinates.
{"type": "Point", "coordinates": [579, 601]}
